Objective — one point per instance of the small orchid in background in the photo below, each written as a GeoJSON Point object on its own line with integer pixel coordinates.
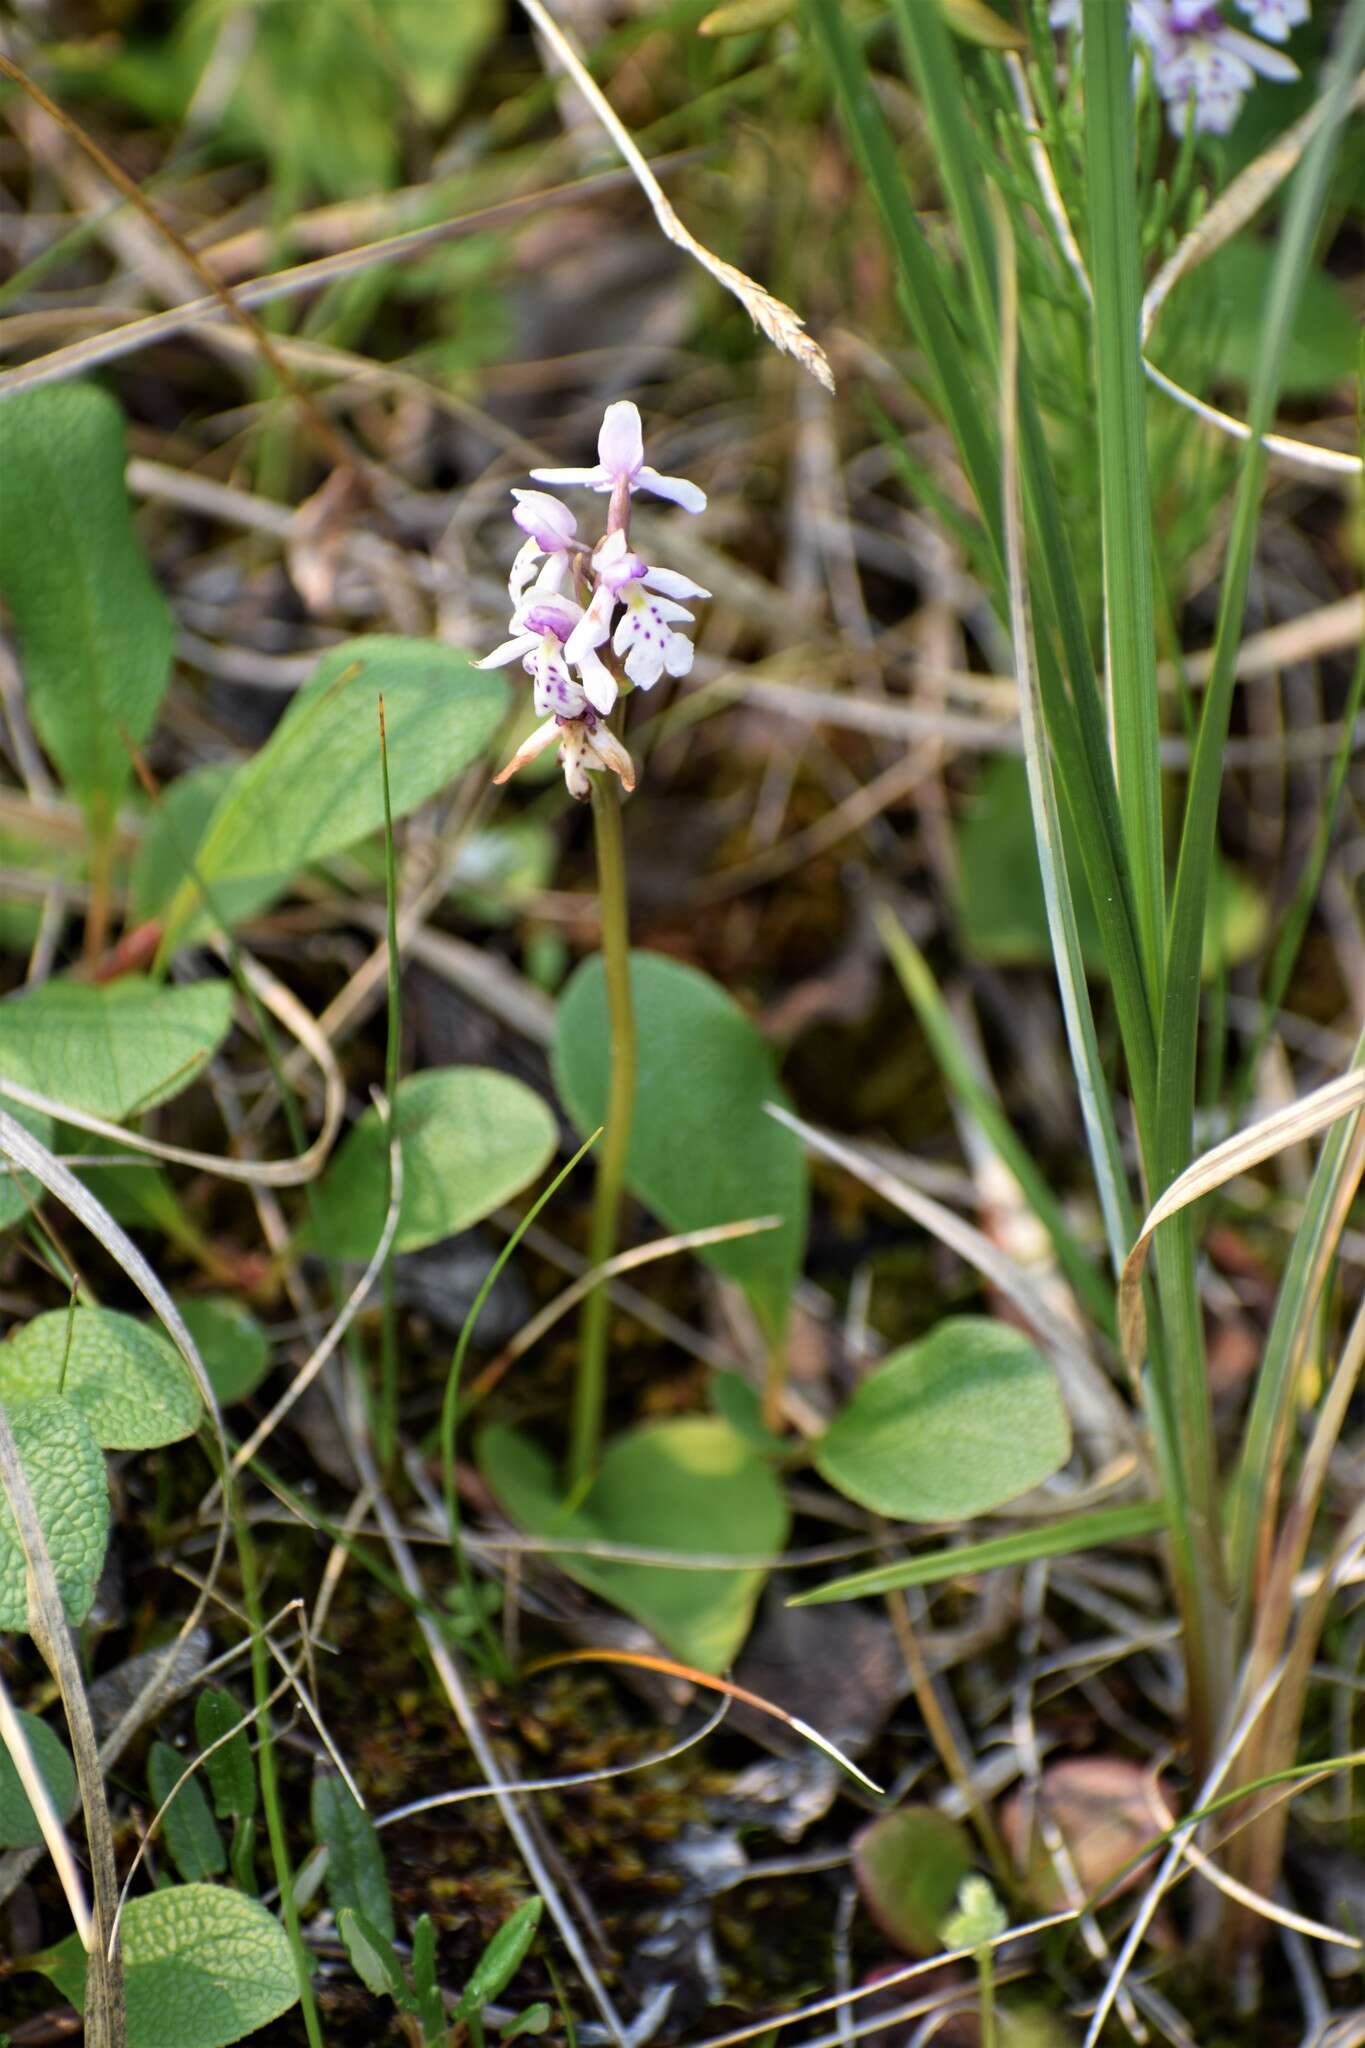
{"type": "Point", "coordinates": [1203, 66]}
{"type": "Point", "coordinates": [556, 637]}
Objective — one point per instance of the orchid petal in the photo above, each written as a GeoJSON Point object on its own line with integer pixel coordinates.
{"type": "Point", "coordinates": [509, 651]}
{"type": "Point", "coordinates": [599, 684]}
{"type": "Point", "coordinates": [1270, 63]}
{"type": "Point", "coordinates": [595, 479]}
{"type": "Point", "coordinates": [644, 663]}
{"type": "Point", "coordinates": [523, 568]}
{"type": "Point", "coordinates": [688, 495]}
{"type": "Point", "coordinates": [620, 444]}
{"type": "Point", "coordinates": [669, 583]}
{"type": "Point", "coordinates": [544, 736]}
{"type": "Point", "coordinates": [549, 523]}
{"type": "Point", "coordinates": [613, 756]}
{"type": "Point", "coordinates": [677, 655]}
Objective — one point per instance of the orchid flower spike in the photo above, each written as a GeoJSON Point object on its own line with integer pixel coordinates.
{"type": "Point", "coordinates": [621, 460]}
{"type": "Point", "coordinates": [1203, 66]}
{"type": "Point", "coordinates": [619, 597]}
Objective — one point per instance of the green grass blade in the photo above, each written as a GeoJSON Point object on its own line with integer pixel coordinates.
{"type": "Point", "coordinates": [1106, 1153]}
{"type": "Point", "coordinates": [1074, 719]}
{"type": "Point", "coordinates": [1125, 507]}
{"type": "Point", "coordinates": [1179, 1034]}
{"type": "Point", "coordinates": [1256, 1484]}
{"type": "Point", "coordinates": [1294, 923]}
{"type": "Point", "coordinates": [959, 1070]}
{"type": "Point", "coordinates": [1092, 1531]}
{"type": "Point", "coordinates": [925, 281]}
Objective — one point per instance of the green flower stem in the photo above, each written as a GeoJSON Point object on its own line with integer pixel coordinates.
{"type": "Point", "coordinates": [590, 1387]}
{"type": "Point", "coordinates": [266, 1762]}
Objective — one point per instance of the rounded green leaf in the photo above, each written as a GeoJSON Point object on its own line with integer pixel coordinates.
{"type": "Point", "coordinates": [702, 1148]}
{"type": "Point", "coordinates": [66, 1477]}
{"type": "Point", "coordinates": [94, 631]}
{"type": "Point", "coordinates": [232, 1344]}
{"type": "Point", "coordinates": [19, 1827]}
{"type": "Point", "coordinates": [112, 1048]}
{"type": "Point", "coordinates": [909, 1865]}
{"type": "Point", "coordinates": [472, 1138]}
{"type": "Point", "coordinates": [202, 1967]}
{"type": "Point", "coordinates": [127, 1381]}
{"type": "Point", "coordinates": [952, 1426]}
{"type": "Point", "coordinates": [689, 1485]}
{"type": "Point", "coordinates": [314, 788]}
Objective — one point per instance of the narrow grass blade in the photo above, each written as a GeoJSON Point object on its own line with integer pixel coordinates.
{"type": "Point", "coordinates": [1074, 719]}
{"type": "Point", "coordinates": [1049, 1539]}
{"type": "Point", "coordinates": [960, 1072]}
{"type": "Point", "coordinates": [1178, 1045]}
{"type": "Point", "coordinates": [1256, 1482]}
{"type": "Point", "coordinates": [1125, 506]}
{"type": "Point", "coordinates": [1294, 922]}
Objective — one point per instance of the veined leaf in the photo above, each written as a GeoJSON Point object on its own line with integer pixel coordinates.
{"type": "Point", "coordinates": [472, 1138]}
{"type": "Point", "coordinates": [314, 788]}
{"type": "Point", "coordinates": [202, 1967]}
{"type": "Point", "coordinates": [127, 1382]}
{"type": "Point", "coordinates": [967, 1418]}
{"type": "Point", "coordinates": [66, 1477]}
{"type": "Point", "coordinates": [116, 1048]}
{"type": "Point", "coordinates": [94, 630]}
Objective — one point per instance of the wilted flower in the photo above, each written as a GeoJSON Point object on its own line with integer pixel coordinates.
{"type": "Point", "coordinates": [1202, 65]}
{"type": "Point", "coordinates": [556, 637]}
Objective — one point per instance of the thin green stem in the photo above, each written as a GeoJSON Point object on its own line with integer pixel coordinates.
{"type": "Point", "coordinates": [590, 1386]}
{"type": "Point", "coordinates": [985, 1976]}
{"type": "Point", "coordinates": [386, 1406]}
{"type": "Point", "coordinates": [265, 1758]}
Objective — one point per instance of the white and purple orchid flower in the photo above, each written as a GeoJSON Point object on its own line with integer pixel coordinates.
{"type": "Point", "coordinates": [1203, 66]}
{"type": "Point", "coordinates": [620, 597]}
{"type": "Point", "coordinates": [621, 462]}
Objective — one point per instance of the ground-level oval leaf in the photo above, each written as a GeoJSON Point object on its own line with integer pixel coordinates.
{"type": "Point", "coordinates": [19, 1827]}
{"type": "Point", "coordinates": [94, 631]}
{"type": "Point", "coordinates": [112, 1048]}
{"type": "Point", "coordinates": [66, 1477]}
{"type": "Point", "coordinates": [690, 1485]}
{"type": "Point", "coordinates": [702, 1149]}
{"type": "Point", "coordinates": [314, 788]}
{"type": "Point", "coordinates": [472, 1138]}
{"type": "Point", "coordinates": [125, 1379]}
{"type": "Point", "coordinates": [202, 1968]}
{"type": "Point", "coordinates": [232, 1344]}
{"type": "Point", "coordinates": [908, 1865]}
{"type": "Point", "coordinates": [952, 1426]}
